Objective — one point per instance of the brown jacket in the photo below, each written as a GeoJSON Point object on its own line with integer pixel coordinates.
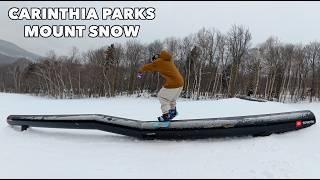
{"type": "Point", "coordinates": [167, 69]}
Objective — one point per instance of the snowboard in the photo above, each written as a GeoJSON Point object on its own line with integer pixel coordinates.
{"type": "Point", "coordinates": [163, 124]}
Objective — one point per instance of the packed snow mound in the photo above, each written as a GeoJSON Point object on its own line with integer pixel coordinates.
{"type": "Point", "coordinates": [63, 153]}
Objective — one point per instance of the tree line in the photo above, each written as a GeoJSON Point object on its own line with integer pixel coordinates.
{"type": "Point", "coordinates": [214, 65]}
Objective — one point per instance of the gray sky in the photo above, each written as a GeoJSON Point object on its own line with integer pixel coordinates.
{"type": "Point", "coordinates": [295, 22]}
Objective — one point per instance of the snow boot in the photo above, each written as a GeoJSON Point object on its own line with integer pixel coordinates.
{"type": "Point", "coordinates": [165, 117]}
{"type": "Point", "coordinates": [173, 112]}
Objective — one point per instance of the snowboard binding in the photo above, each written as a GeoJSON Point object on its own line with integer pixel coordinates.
{"type": "Point", "coordinates": [165, 117]}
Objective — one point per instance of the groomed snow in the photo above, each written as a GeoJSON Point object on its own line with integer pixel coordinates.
{"type": "Point", "coordinates": [61, 153]}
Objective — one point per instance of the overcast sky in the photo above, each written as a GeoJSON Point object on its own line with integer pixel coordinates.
{"type": "Point", "coordinates": [295, 22]}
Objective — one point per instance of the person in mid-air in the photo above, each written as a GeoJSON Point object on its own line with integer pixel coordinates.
{"type": "Point", "coordinates": [171, 90]}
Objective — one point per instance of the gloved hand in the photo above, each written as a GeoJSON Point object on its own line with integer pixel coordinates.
{"type": "Point", "coordinates": [154, 57]}
{"type": "Point", "coordinates": [139, 75]}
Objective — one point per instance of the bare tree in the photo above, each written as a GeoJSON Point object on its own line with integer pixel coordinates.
{"type": "Point", "coordinates": [312, 51]}
{"type": "Point", "coordinates": [134, 57]}
{"type": "Point", "coordinates": [238, 44]}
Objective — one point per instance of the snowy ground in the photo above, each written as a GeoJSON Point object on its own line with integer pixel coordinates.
{"type": "Point", "coordinates": [58, 153]}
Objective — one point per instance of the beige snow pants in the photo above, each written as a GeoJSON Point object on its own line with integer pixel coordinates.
{"type": "Point", "coordinates": [168, 98]}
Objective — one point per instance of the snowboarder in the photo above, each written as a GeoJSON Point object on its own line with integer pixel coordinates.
{"type": "Point", "coordinates": [171, 90]}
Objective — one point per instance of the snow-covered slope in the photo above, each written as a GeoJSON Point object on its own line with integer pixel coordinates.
{"type": "Point", "coordinates": [60, 153]}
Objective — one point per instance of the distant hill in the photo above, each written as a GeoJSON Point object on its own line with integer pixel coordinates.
{"type": "Point", "coordinates": [12, 50]}
{"type": "Point", "coordinates": [4, 59]}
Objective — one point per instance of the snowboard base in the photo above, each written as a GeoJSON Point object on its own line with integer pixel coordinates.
{"type": "Point", "coordinates": [163, 124]}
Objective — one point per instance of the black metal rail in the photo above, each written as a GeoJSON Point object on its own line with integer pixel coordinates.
{"type": "Point", "coordinates": [255, 125]}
